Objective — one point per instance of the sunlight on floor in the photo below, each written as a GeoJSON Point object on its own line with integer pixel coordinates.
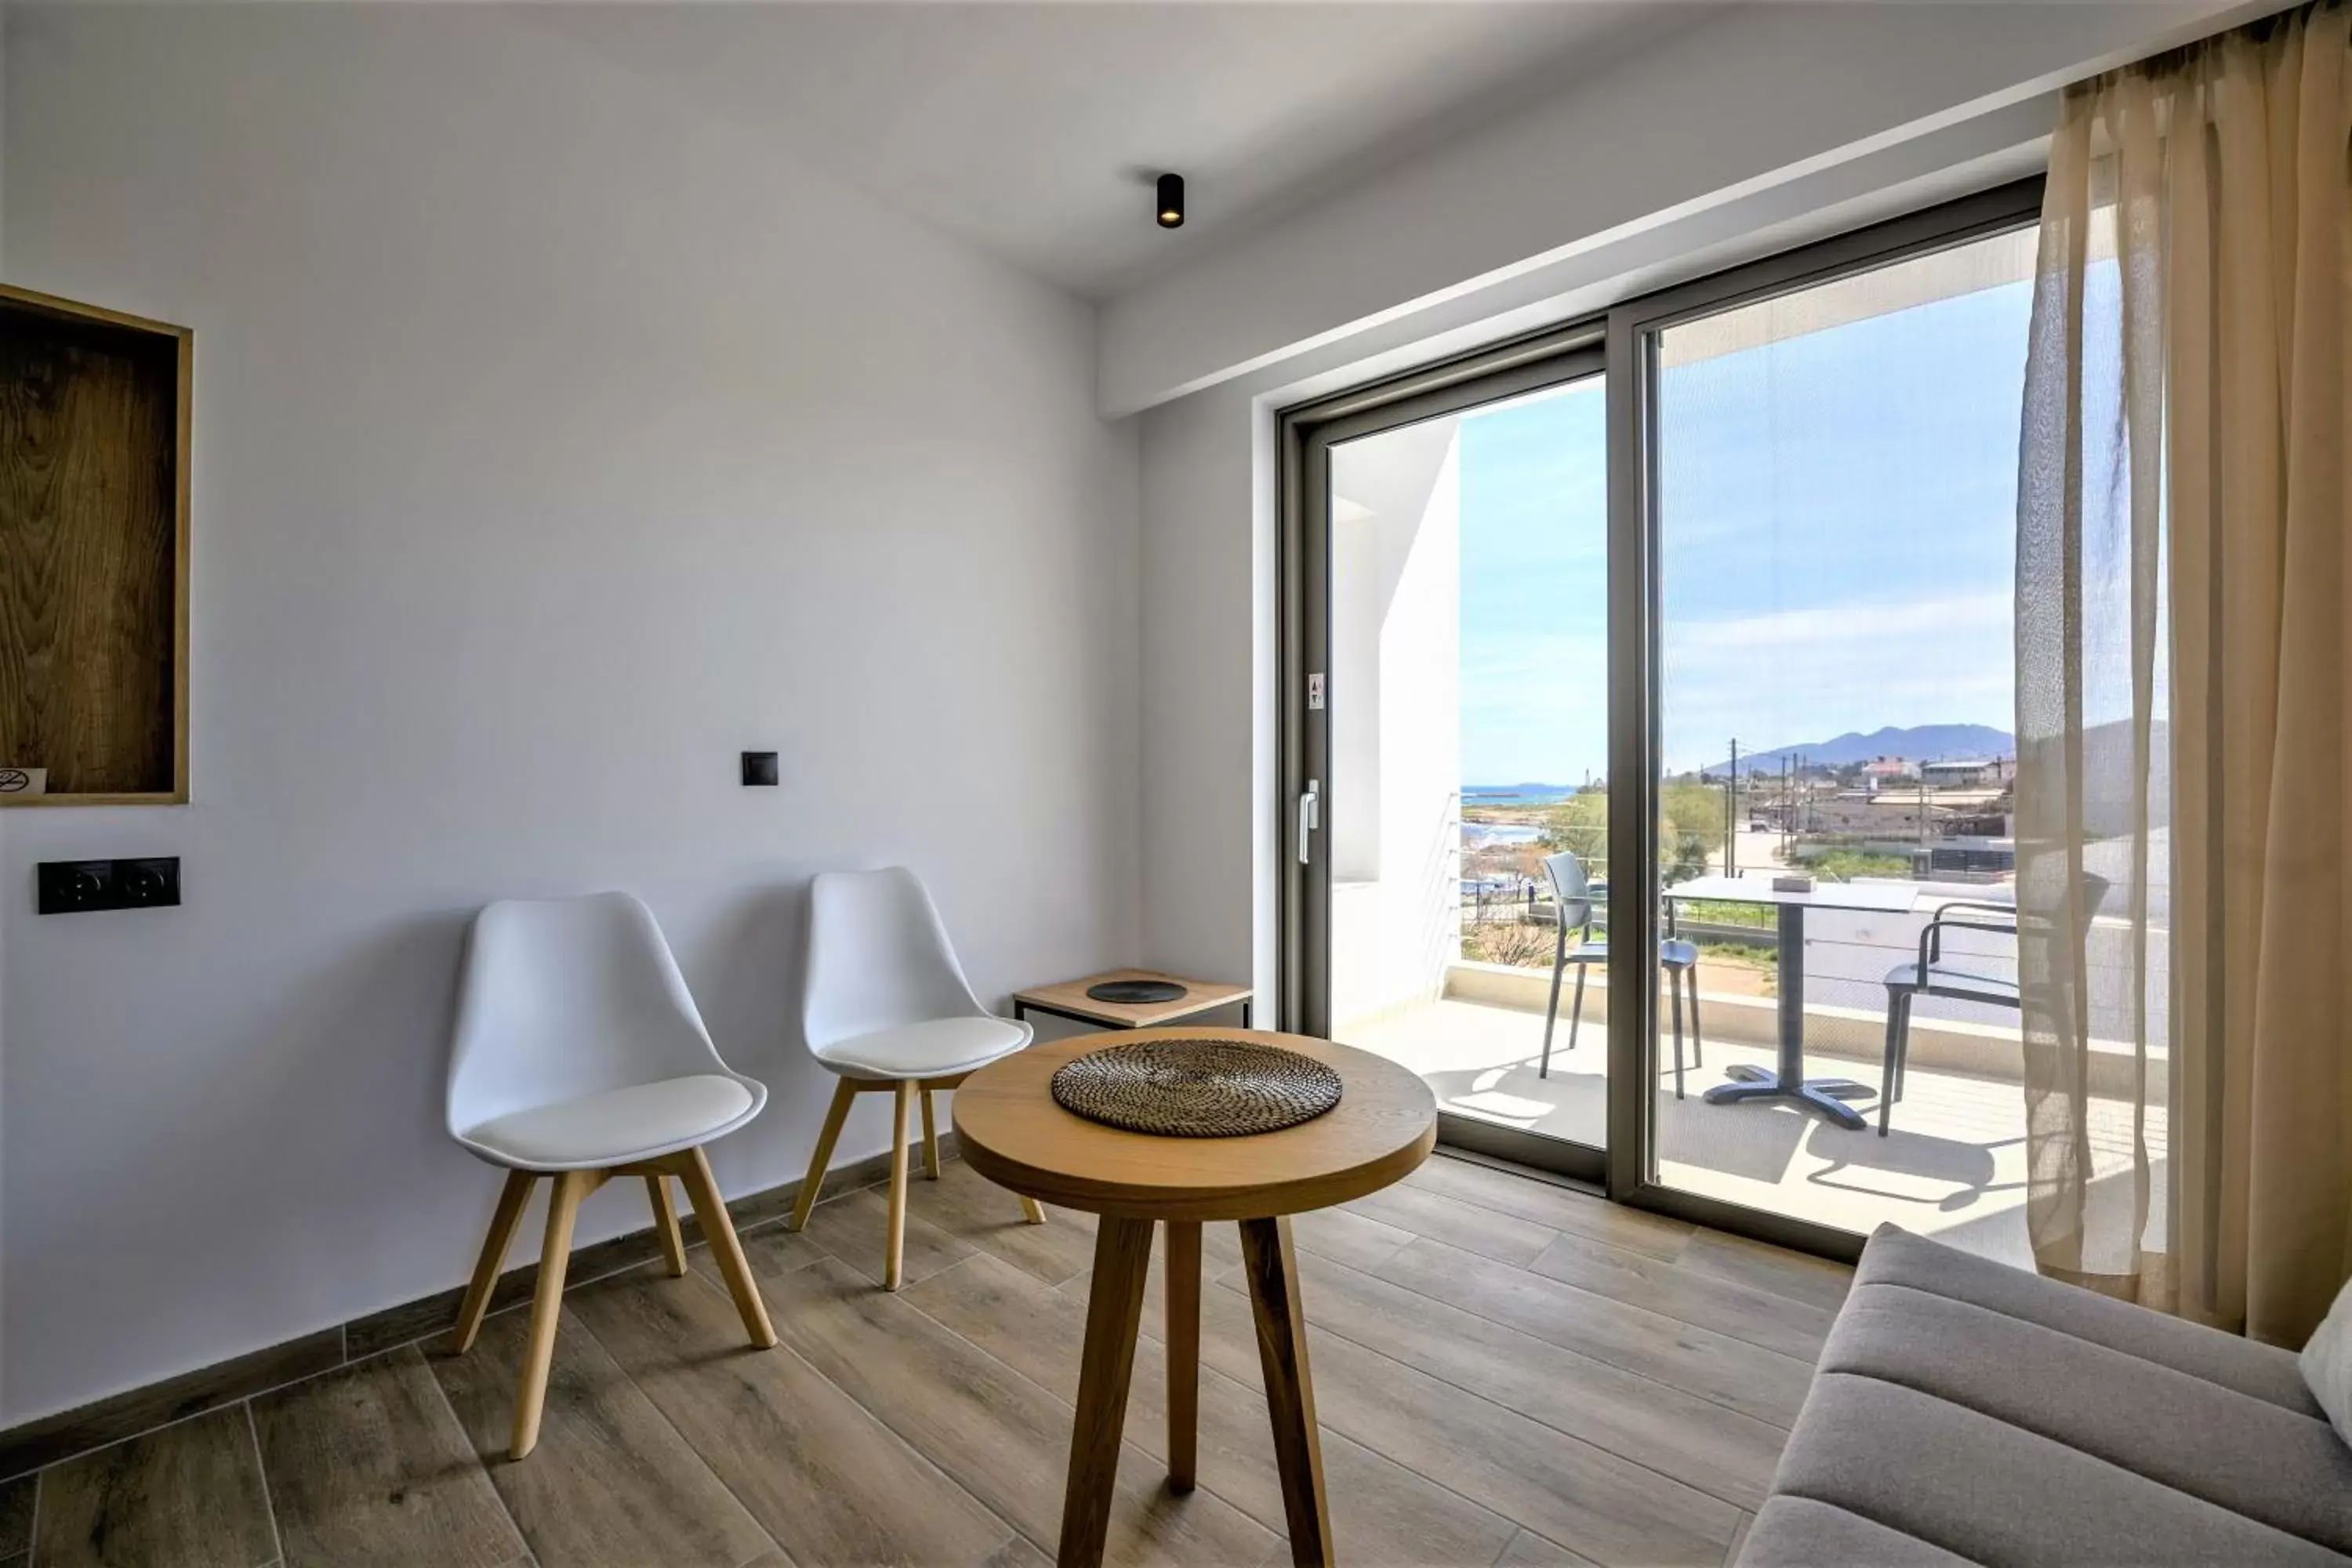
{"type": "Point", "coordinates": [1952, 1165]}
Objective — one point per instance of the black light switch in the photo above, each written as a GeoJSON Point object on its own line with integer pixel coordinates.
{"type": "Point", "coordinates": [759, 768]}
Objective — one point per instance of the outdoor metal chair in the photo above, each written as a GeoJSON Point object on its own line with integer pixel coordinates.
{"type": "Point", "coordinates": [1931, 975]}
{"type": "Point", "coordinates": [1573, 899]}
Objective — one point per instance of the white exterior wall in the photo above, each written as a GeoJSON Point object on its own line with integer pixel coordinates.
{"type": "Point", "coordinates": [1395, 911]}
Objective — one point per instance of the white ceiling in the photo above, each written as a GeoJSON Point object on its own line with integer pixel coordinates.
{"type": "Point", "coordinates": [1034, 129]}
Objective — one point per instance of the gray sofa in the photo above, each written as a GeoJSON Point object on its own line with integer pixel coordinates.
{"type": "Point", "coordinates": [1968, 1412]}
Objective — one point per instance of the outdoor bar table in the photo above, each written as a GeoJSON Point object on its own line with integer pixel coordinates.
{"type": "Point", "coordinates": [1786, 1079]}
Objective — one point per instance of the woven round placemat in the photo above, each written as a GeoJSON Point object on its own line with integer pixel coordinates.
{"type": "Point", "coordinates": [1135, 993]}
{"type": "Point", "coordinates": [1198, 1088]}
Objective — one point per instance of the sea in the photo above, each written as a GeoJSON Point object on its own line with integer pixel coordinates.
{"type": "Point", "coordinates": [1517, 794]}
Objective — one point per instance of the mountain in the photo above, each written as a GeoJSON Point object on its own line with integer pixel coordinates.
{"type": "Point", "coordinates": [1920, 744]}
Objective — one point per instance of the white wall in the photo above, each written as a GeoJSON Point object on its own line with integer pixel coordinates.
{"type": "Point", "coordinates": [554, 443]}
{"type": "Point", "coordinates": [1208, 725]}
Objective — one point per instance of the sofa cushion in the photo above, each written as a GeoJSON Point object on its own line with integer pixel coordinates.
{"type": "Point", "coordinates": [2264, 1372]}
{"type": "Point", "coordinates": [2327, 1362]}
{"type": "Point", "coordinates": [1982, 1489]}
{"type": "Point", "coordinates": [2210, 1442]}
{"type": "Point", "coordinates": [1799, 1532]}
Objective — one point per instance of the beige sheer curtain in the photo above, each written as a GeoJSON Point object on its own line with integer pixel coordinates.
{"type": "Point", "coordinates": [2185, 682]}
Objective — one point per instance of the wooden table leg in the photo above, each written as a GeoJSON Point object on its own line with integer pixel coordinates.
{"type": "Point", "coordinates": [1114, 1312]}
{"type": "Point", "coordinates": [1184, 1351]}
{"type": "Point", "coordinates": [1273, 1270]}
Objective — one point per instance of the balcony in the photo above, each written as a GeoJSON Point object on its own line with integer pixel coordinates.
{"type": "Point", "coordinates": [1953, 1165]}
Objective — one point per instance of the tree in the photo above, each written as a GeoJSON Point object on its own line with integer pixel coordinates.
{"type": "Point", "coordinates": [1690, 826]}
{"type": "Point", "coordinates": [1581, 824]}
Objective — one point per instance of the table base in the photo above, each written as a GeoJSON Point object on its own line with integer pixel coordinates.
{"type": "Point", "coordinates": [1825, 1096]}
{"type": "Point", "coordinates": [1114, 1314]}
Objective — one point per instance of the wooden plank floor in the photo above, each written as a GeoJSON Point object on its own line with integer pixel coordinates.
{"type": "Point", "coordinates": [1507, 1372]}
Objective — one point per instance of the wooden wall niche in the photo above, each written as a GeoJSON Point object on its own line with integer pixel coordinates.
{"type": "Point", "coordinates": [93, 552]}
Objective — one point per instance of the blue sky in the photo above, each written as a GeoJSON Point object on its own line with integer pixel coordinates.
{"type": "Point", "coordinates": [1838, 515]}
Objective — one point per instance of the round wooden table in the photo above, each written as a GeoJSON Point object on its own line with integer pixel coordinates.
{"type": "Point", "coordinates": [1011, 1132]}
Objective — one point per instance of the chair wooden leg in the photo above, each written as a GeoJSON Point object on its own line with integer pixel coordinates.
{"type": "Point", "coordinates": [673, 1245]}
{"type": "Point", "coordinates": [512, 1199]}
{"type": "Point", "coordinates": [896, 1247]}
{"type": "Point", "coordinates": [1032, 1210]}
{"type": "Point", "coordinates": [844, 1094]}
{"type": "Point", "coordinates": [931, 1139]}
{"type": "Point", "coordinates": [547, 1305]}
{"type": "Point", "coordinates": [719, 1230]}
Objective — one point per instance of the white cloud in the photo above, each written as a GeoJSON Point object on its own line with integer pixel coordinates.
{"type": "Point", "coordinates": [1797, 676]}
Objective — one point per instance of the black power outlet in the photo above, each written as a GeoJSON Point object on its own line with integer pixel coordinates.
{"type": "Point", "coordinates": [148, 884]}
{"type": "Point", "coordinates": [69, 886]}
{"type": "Point", "coordinates": [73, 887]}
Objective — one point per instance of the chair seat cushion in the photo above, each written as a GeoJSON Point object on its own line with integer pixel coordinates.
{"type": "Point", "coordinates": [617, 1125]}
{"type": "Point", "coordinates": [1944, 982]}
{"type": "Point", "coordinates": [940, 1047]}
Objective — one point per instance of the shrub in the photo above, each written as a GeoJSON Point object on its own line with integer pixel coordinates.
{"type": "Point", "coordinates": [1520, 946]}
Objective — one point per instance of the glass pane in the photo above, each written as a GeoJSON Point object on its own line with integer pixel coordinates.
{"type": "Point", "coordinates": [1837, 472]}
{"type": "Point", "coordinates": [1467, 708]}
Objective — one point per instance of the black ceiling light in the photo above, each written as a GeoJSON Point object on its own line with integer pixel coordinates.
{"type": "Point", "coordinates": [1172, 201]}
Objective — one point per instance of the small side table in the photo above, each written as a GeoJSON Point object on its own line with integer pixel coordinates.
{"type": "Point", "coordinates": [1013, 1132]}
{"type": "Point", "coordinates": [1069, 1000]}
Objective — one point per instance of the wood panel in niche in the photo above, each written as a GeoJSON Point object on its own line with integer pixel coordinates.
{"type": "Point", "coordinates": [93, 551]}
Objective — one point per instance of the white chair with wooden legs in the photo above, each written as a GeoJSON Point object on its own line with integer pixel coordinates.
{"type": "Point", "coordinates": [580, 1057]}
{"type": "Point", "coordinates": [886, 1008]}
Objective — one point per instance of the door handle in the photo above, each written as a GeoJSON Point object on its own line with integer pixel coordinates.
{"type": "Point", "coordinates": [1311, 818]}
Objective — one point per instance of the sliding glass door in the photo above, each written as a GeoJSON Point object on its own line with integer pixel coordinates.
{"type": "Point", "coordinates": [1821, 515]}
{"type": "Point", "coordinates": [1455, 707]}
{"type": "Point", "coordinates": [1652, 684]}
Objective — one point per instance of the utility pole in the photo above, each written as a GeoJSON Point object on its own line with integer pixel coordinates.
{"type": "Point", "coordinates": [1731, 816]}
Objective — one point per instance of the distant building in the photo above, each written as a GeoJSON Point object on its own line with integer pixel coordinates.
{"type": "Point", "coordinates": [1860, 811]}
{"type": "Point", "coordinates": [1966, 771]}
{"type": "Point", "coordinates": [1906, 812]}
{"type": "Point", "coordinates": [1880, 772]}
